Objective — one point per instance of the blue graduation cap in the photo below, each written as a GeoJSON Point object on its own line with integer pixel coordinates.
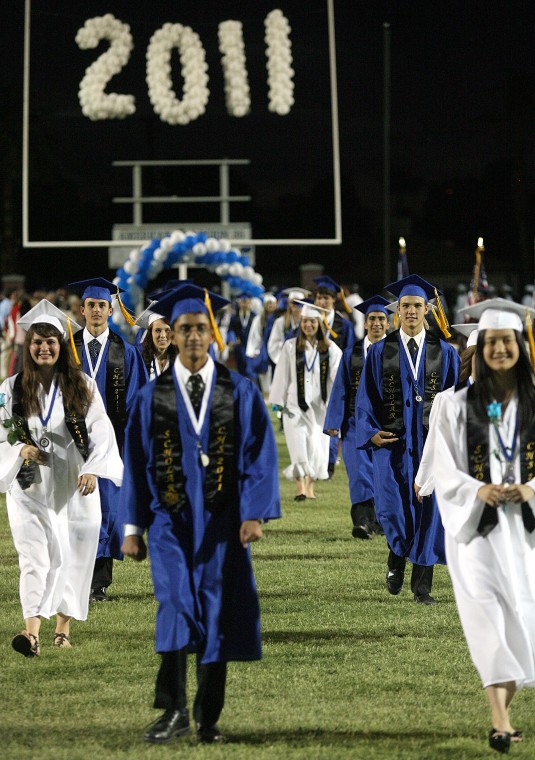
{"type": "Point", "coordinates": [327, 282]}
{"type": "Point", "coordinates": [375, 303]}
{"type": "Point", "coordinates": [191, 299]}
{"type": "Point", "coordinates": [97, 287]}
{"type": "Point", "coordinates": [412, 285]}
{"type": "Point", "coordinates": [166, 287]}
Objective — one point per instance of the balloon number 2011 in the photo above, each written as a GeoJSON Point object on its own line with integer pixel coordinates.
{"type": "Point", "coordinates": [98, 105]}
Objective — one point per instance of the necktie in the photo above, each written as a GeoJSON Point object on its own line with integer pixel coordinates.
{"type": "Point", "coordinates": [195, 388]}
{"type": "Point", "coordinates": [94, 350]}
{"type": "Point", "coordinates": [413, 349]}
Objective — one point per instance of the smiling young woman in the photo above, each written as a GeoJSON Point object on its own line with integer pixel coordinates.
{"type": "Point", "coordinates": [58, 439]}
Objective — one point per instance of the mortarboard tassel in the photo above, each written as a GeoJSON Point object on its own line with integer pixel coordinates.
{"type": "Point", "coordinates": [330, 329]}
{"type": "Point", "coordinates": [71, 341]}
{"type": "Point", "coordinates": [217, 335]}
{"type": "Point", "coordinates": [126, 314]}
{"type": "Point", "coordinates": [531, 339]}
{"type": "Point", "coordinates": [344, 302]}
{"type": "Point", "coordinates": [440, 316]}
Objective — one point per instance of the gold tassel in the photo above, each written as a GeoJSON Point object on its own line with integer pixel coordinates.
{"type": "Point", "coordinates": [396, 320]}
{"type": "Point", "coordinates": [440, 316]}
{"type": "Point", "coordinates": [330, 329]}
{"type": "Point", "coordinates": [345, 304]}
{"type": "Point", "coordinates": [217, 335]}
{"type": "Point", "coordinates": [71, 341]}
{"type": "Point", "coordinates": [130, 320]}
{"type": "Point", "coordinates": [531, 339]}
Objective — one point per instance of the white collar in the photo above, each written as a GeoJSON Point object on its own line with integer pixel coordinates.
{"type": "Point", "coordinates": [101, 338]}
{"type": "Point", "coordinates": [368, 343]}
{"type": "Point", "coordinates": [419, 338]}
{"type": "Point", "coordinates": [206, 372]}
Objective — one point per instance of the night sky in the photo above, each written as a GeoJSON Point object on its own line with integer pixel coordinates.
{"type": "Point", "coordinates": [462, 147]}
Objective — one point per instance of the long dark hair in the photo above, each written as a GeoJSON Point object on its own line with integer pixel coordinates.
{"type": "Point", "coordinates": [71, 379]}
{"type": "Point", "coordinates": [148, 349]}
{"type": "Point", "coordinates": [484, 387]}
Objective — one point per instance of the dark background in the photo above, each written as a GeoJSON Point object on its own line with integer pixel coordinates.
{"type": "Point", "coordinates": [462, 147]}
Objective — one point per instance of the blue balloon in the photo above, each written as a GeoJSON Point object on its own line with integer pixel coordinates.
{"type": "Point", "coordinates": [244, 261]}
{"type": "Point", "coordinates": [232, 257]}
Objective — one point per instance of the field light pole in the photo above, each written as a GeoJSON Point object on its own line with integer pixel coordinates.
{"type": "Point", "coordinates": [386, 151]}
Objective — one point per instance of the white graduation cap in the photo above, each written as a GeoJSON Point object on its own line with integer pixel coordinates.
{"type": "Point", "coordinates": [45, 312]}
{"type": "Point", "coordinates": [311, 310]}
{"type": "Point", "coordinates": [499, 314]}
{"type": "Point", "coordinates": [147, 317]}
{"type": "Point", "coordinates": [470, 330]}
{"type": "Point", "coordinates": [295, 294]}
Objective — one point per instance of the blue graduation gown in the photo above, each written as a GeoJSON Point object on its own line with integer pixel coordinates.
{"type": "Point", "coordinates": [111, 538]}
{"type": "Point", "coordinates": [241, 333]}
{"type": "Point", "coordinates": [413, 530]}
{"type": "Point", "coordinates": [203, 577]}
{"type": "Point", "coordinates": [358, 462]}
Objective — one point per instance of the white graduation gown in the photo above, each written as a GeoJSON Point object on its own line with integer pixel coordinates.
{"type": "Point", "coordinates": [308, 445]}
{"type": "Point", "coordinates": [494, 577]}
{"type": "Point", "coordinates": [55, 529]}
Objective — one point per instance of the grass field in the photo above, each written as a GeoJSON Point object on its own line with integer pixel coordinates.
{"type": "Point", "coordinates": [348, 671]}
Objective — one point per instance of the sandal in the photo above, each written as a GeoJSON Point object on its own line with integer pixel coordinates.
{"type": "Point", "coordinates": [62, 641]}
{"type": "Point", "coordinates": [516, 736]}
{"type": "Point", "coordinates": [500, 740]}
{"type": "Point", "coordinates": [26, 644]}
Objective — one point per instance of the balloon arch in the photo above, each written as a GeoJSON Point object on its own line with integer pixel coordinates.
{"type": "Point", "coordinates": [219, 256]}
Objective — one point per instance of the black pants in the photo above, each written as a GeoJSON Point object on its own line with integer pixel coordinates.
{"type": "Point", "coordinates": [102, 573]}
{"type": "Point", "coordinates": [171, 687]}
{"type": "Point", "coordinates": [421, 576]}
{"type": "Point", "coordinates": [363, 513]}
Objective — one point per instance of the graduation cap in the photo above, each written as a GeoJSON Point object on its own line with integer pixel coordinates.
{"type": "Point", "coordinates": [499, 314]}
{"type": "Point", "coordinates": [375, 303]}
{"type": "Point", "coordinates": [147, 317]}
{"type": "Point", "coordinates": [295, 293]}
{"type": "Point", "coordinates": [102, 290]}
{"type": "Point", "coordinates": [312, 311]}
{"type": "Point", "coordinates": [97, 287]}
{"type": "Point", "coordinates": [324, 281]}
{"type": "Point", "coordinates": [414, 285]}
{"type": "Point", "coordinates": [470, 330]}
{"type": "Point", "coordinates": [45, 312]}
{"type": "Point", "coordinates": [269, 297]}
{"type": "Point", "coordinates": [191, 299]}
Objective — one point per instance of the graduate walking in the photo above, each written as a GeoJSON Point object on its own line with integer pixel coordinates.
{"type": "Point", "coordinates": [200, 478]}
{"type": "Point", "coordinates": [55, 441]}
{"type": "Point", "coordinates": [401, 377]}
{"type": "Point", "coordinates": [340, 417]}
{"type": "Point", "coordinates": [484, 473]}
{"type": "Point", "coordinates": [301, 388]}
{"type": "Point", "coordinates": [119, 372]}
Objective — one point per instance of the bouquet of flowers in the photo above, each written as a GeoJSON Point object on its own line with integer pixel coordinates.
{"type": "Point", "coordinates": [14, 424]}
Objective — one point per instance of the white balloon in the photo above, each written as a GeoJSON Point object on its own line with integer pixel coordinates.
{"type": "Point", "coordinates": [127, 266]}
{"type": "Point", "coordinates": [160, 255]}
{"type": "Point", "coordinates": [225, 245]}
{"type": "Point", "coordinates": [199, 249]}
{"type": "Point", "coordinates": [222, 269]}
{"type": "Point", "coordinates": [236, 269]}
{"type": "Point", "coordinates": [212, 245]}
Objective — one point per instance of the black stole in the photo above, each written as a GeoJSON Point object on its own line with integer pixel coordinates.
{"type": "Point", "coordinates": [75, 425]}
{"type": "Point", "coordinates": [220, 472]}
{"type": "Point", "coordinates": [115, 377]}
{"type": "Point", "coordinates": [355, 368]}
{"type": "Point", "coordinates": [338, 328]}
{"type": "Point", "coordinates": [392, 389]}
{"type": "Point", "coordinates": [300, 370]}
{"type": "Point", "coordinates": [477, 438]}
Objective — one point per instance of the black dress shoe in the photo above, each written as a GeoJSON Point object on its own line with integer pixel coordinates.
{"type": "Point", "coordinates": [172, 723]}
{"type": "Point", "coordinates": [361, 531]}
{"type": "Point", "coordinates": [209, 735]}
{"type": "Point", "coordinates": [500, 741]}
{"type": "Point", "coordinates": [330, 470]}
{"type": "Point", "coordinates": [99, 595]}
{"type": "Point", "coordinates": [424, 599]}
{"type": "Point", "coordinates": [394, 581]}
